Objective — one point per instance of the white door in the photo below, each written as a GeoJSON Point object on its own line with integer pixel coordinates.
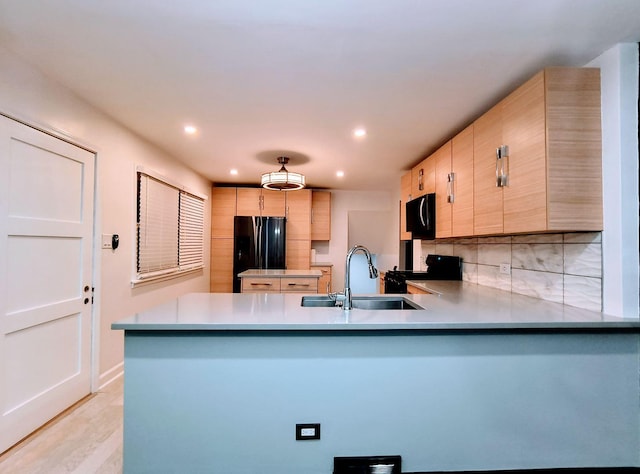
{"type": "Point", "coordinates": [46, 232]}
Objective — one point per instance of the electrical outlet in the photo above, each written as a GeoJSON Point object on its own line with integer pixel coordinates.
{"type": "Point", "coordinates": [307, 431]}
{"type": "Point", "coordinates": [505, 268]}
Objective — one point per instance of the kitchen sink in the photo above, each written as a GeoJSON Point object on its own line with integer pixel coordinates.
{"type": "Point", "coordinates": [363, 302]}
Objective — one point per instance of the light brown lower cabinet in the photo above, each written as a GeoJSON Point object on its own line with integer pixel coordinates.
{"type": "Point", "coordinates": [261, 285]}
{"type": "Point", "coordinates": [298, 285]}
{"type": "Point", "coordinates": [324, 283]}
{"type": "Point", "coordinates": [221, 271]}
{"type": "Point", "coordinates": [412, 290]}
{"type": "Point", "coordinates": [279, 285]}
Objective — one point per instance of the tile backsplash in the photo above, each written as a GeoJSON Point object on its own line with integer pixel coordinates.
{"type": "Point", "coordinates": [565, 268]}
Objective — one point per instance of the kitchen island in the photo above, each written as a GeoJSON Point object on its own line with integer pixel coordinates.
{"type": "Point", "coordinates": [479, 379]}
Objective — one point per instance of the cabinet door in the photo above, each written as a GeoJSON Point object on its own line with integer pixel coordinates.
{"type": "Point", "coordinates": [487, 197]}
{"type": "Point", "coordinates": [274, 203]}
{"type": "Point", "coordinates": [223, 209]}
{"type": "Point", "coordinates": [260, 202]}
{"type": "Point", "coordinates": [248, 201]}
{"type": "Point", "coordinates": [221, 269]}
{"type": "Point", "coordinates": [298, 254]}
{"type": "Point", "coordinates": [442, 159]}
{"type": "Point", "coordinates": [523, 130]}
{"type": "Point", "coordinates": [298, 214]}
{"type": "Point", "coordinates": [462, 167]}
{"type": "Point", "coordinates": [574, 149]}
{"type": "Point", "coordinates": [324, 283]}
{"type": "Point", "coordinates": [321, 215]}
{"type": "Point", "coordinates": [423, 178]}
{"type": "Point", "coordinates": [405, 195]}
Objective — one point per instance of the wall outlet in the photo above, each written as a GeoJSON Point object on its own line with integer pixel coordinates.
{"type": "Point", "coordinates": [305, 431]}
{"type": "Point", "coordinates": [505, 268]}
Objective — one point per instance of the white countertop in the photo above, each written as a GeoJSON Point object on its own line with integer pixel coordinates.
{"type": "Point", "coordinates": [453, 306]}
{"type": "Point", "coordinates": [280, 273]}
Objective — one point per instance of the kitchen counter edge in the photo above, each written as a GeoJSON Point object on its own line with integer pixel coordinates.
{"type": "Point", "coordinates": [452, 306]}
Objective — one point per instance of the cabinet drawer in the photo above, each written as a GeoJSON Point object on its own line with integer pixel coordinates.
{"type": "Point", "coordinates": [305, 285]}
{"type": "Point", "coordinates": [260, 285]}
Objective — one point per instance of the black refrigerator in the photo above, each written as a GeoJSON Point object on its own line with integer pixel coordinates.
{"type": "Point", "coordinates": [259, 242]}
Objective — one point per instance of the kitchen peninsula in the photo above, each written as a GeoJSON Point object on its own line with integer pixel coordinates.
{"type": "Point", "coordinates": [479, 379]}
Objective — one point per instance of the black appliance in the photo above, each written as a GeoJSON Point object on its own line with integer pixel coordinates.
{"type": "Point", "coordinates": [259, 242]}
{"type": "Point", "coordinates": [421, 217]}
{"type": "Point", "coordinates": [439, 267]}
{"type": "Point", "coordinates": [367, 464]}
{"type": "Point", "coordinates": [406, 254]}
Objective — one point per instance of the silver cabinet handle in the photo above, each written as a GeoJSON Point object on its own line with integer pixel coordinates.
{"type": "Point", "coordinates": [502, 166]}
{"type": "Point", "coordinates": [450, 179]}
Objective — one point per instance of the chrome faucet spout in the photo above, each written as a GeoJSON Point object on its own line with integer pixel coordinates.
{"type": "Point", "coordinates": [345, 297]}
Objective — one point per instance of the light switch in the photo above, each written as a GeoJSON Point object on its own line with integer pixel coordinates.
{"type": "Point", "coordinates": [106, 241]}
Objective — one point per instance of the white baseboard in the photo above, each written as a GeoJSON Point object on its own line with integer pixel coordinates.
{"type": "Point", "coordinates": [110, 375]}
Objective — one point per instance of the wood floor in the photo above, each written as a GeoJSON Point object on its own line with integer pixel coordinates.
{"type": "Point", "coordinates": [86, 439]}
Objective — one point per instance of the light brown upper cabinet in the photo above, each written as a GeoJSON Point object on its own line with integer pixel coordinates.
{"type": "Point", "coordinates": [454, 186]}
{"type": "Point", "coordinates": [444, 191]}
{"type": "Point", "coordinates": [223, 210]}
{"type": "Point", "coordinates": [260, 202]}
{"type": "Point", "coordinates": [405, 196]}
{"type": "Point", "coordinates": [462, 183]}
{"type": "Point", "coordinates": [487, 197]}
{"type": "Point", "coordinates": [423, 178]}
{"type": "Point", "coordinates": [537, 157]}
{"type": "Point", "coordinates": [298, 214]}
{"type": "Point", "coordinates": [320, 215]}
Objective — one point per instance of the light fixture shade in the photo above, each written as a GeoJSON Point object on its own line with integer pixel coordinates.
{"type": "Point", "coordinates": [283, 180]}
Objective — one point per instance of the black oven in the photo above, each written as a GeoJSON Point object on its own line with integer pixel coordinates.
{"type": "Point", "coordinates": [439, 267]}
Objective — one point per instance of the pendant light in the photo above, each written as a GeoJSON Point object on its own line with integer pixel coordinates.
{"type": "Point", "coordinates": [283, 180]}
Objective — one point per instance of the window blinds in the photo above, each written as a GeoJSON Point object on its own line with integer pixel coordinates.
{"type": "Point", "coordinates": [170, 229]}
{"type": "Point", "coordinates": [191, 225]}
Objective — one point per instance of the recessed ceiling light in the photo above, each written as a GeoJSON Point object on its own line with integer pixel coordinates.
{"type": "Point", "coordinates": [359, 132]}
{"type": "Point", "coordinates": [234, 172]}
{"type": "Point", "coordinates": [190, 129]}
{"type": "Point", "coordinates": [340, 174]}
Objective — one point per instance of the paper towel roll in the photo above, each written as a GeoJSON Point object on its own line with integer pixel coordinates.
{"type": "Point", "coordinates": [313, 255]}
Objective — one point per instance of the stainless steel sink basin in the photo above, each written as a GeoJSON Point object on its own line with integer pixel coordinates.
{"type": "Point", "coordinates": [363, 302]}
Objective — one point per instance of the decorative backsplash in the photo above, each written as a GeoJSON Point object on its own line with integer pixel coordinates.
{"type": "Point", "coordinates": [565, 268]}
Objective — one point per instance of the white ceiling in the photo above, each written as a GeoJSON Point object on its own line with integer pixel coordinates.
{"type": "Point", "coordinates": [260, 78]}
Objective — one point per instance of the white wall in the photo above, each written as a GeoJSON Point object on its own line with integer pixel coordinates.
{"type": "Point", "coordinates": [378, 210]}
{"type": "Point", "coordinates": [619, 76]}
{"type": "Point", "coordinates": [28, 95]}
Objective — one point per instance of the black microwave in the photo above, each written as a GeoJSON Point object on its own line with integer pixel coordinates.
{"type": "Point", "coordinates": [421, 217]}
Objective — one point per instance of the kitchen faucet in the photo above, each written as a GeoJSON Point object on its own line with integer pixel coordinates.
{"type": "Point", "coordinates": [344, 298]}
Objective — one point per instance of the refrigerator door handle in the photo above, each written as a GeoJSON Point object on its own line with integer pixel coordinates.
{"type": "Point", "coordinates": [257, 240]}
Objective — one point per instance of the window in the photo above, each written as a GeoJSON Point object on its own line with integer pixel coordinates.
{"type": "Point", "coordinates": [170, 229]}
